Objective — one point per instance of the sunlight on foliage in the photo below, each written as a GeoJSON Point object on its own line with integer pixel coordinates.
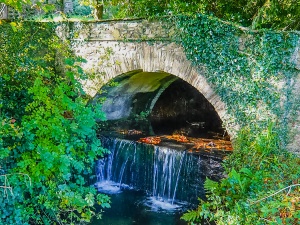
{"type": "Point", "coordinates": [249, 194]}
{"type": "Point", "coordinates": [47, 132]}
{"type": "Point", "coordinates": [243, 66]}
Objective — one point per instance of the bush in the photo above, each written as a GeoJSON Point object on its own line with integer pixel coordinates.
{"type": "Point", "coordinates": [48, 140]}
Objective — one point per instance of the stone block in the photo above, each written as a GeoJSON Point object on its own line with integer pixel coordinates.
{"type": "Point", "coordinates": [3, 11]}
{"type": "Point", "coordinates": [68, 6]}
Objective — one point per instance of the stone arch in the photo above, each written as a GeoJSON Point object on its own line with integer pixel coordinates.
{"type": "Point", "coordinates": [147, 57]}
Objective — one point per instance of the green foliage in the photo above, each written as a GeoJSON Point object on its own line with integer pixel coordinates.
{"type": "Point", "coordinates": [15, 4]}
{"type": "Point", "coordinates": [142, 116]}
{"type": "Point", "coordinates": [258, 14]}
{"type": "Point", "coordinates": [270, 14]}
{"type": "Point", "coordinates": [244, 67]}
{"type": "Point", "coordinates": [249, 195]}
{"type": "Point", "coordinates": [48, 140]}
{"type": "Point", "coordinates": [26, 5]}
{"type": "Point", "coordinates": [80, 9]}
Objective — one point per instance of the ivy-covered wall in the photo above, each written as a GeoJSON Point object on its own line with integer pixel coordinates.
{"type": "Point", "coordinates": [256, 73]}
{"type": "Point", "coordinates": [250, 77]}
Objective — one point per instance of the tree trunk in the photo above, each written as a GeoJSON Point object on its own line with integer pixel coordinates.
{"type": "Point", "coordinates": [98, 13]}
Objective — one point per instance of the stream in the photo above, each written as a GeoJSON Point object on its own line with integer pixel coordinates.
{"type": "Point", "coordinates": [150, 184]}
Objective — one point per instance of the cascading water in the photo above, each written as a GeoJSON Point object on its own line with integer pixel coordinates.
{"type": "Point", "coordinates": [151, 185]}
{"type": "Point", "coordinates": [165, 174]}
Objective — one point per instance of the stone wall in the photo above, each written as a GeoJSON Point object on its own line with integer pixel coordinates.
{"type": "Point", "coordinates": [116, 47]}
{"type": "Point", "coordinates": [294, 121]}
{"type": "Point", "coordinates": [119, 30]}
{"type": "Point", "coordinates": [112, 48]}
{"type": "Point", "coordinates": [3, 11]}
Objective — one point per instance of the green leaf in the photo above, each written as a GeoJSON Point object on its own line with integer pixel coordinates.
{"type": "Point", "coordinates": [69, 61]}
{"type": "Point", "coordinates": [234, 175]}
{"type": "Point", "coordinates": [14, 26]}
{"type": "Point", "coordinates": [210, 185]}
{"type": "Point", "coordinates": [246, 171]}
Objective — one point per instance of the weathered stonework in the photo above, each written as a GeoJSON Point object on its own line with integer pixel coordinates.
{"type": "Point", "coordinates": [68, 6]}
{"type": "Point", "coordinates": [112, 48]}
{"type": "Point", "coordinates": [3, 11]}
{"type": "Point", "coordinates": [294, 118]}
{"type": "Point", "coordinates": [123, 30]}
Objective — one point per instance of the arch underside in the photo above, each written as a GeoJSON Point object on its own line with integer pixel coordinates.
{"type": "Point", "coordinates": [129, 58]}
{"type": "Point", "coordinates": [160, 101]}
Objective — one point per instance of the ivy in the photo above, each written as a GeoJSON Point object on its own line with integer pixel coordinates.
{"type": "Point", "coordinates": [245, 67]}
{"type": "Point", "coordinates": [242, 65]}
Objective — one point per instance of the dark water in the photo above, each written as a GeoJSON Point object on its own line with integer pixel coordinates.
{"type": "Point", "coordinates": [131, 207]}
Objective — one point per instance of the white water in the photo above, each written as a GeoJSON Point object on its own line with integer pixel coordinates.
{"type": "Point", "coordinates": [157, 204]}
{"type": "Point", "coordinates": [108, 187]}
{"type": "Point", "coordinates": [163, 173]}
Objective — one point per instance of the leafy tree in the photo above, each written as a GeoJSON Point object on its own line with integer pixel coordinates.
{"type": "Point", "coordinates": [81, 10]}
{"type": "Point", "coordinates": [34, 4]}
{"type": "Point", "coordinates": [257, 14]}
{"type": "Point", "coordinates": [275, 14]}
{"type": "Point", "coordinates": [48, 141]}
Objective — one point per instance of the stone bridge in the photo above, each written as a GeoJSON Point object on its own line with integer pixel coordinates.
{"type": "Point", "coordinates": [140, 56]}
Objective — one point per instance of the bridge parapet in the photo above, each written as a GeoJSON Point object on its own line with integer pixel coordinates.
{"type": "Point", "coordinates": [119, 30]}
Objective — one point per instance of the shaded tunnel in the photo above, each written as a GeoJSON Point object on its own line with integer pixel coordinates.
{"type": "Point", "coordinates": [158, 103]}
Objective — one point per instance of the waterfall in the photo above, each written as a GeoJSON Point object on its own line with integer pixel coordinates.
{"type": "Point", "coordinates": [178, 175]}
{"type": "Point", "coordinates": [166, 174]}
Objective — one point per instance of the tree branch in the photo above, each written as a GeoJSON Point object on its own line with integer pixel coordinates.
{"type": "Point", "coordinates": [277, 192]}
{"type": "Point", "coordinates": [24, 174]}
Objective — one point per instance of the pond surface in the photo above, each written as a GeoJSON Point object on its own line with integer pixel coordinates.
{"type": "Point", "coordinates": [130, 207]}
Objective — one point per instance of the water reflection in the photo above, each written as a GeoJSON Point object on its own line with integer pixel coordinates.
{"type": "Point", "coordinates": [131, 207]}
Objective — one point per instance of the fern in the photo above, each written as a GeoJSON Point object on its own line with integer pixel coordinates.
{"type": "Point", "coordinates": [210, 185]}
{"type": "Point", "coordinates": [191, 216]}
